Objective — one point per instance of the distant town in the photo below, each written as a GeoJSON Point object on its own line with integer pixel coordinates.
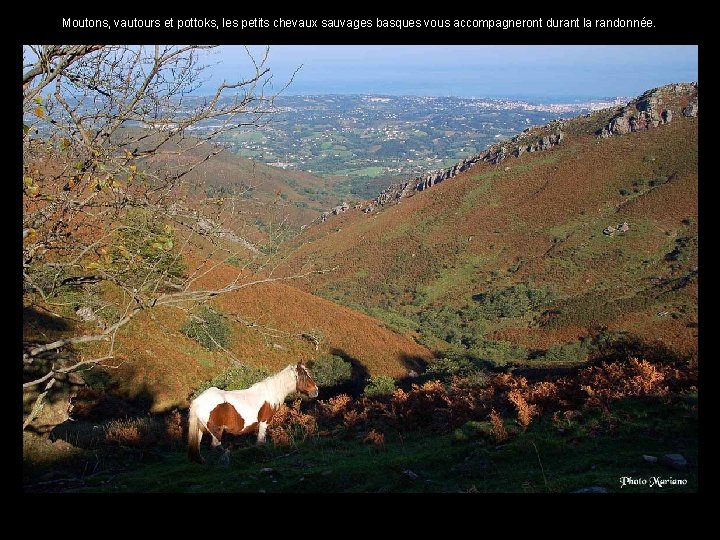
{"type": "Point", "coordinates": [363, 137]}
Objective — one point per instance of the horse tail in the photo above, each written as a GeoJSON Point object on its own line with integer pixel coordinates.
{"type": "Point", "coordinates": [194, 436]}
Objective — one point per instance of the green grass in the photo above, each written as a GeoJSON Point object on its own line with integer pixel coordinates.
{"type": "Point", "coordinates": [392, 319]}
{"type": "Point", "coordinates": [596, 450]}
{"type": "Point", "coordinates": [457, 277]}
{"type": "Point", "coordinates": [367, 171]}
{"type": "Point", "coordinates": [248, 136]}
{"type": "Point", "coordinates": [485, 180]}
{"type": "Point", "coordinates": [453, 277]}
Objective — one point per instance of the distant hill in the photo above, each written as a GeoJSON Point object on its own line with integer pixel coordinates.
{"type": "Point", "coordinates": [537, 218]}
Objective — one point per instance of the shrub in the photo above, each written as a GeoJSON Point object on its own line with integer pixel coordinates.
{"type": "Point", "coordinates": [498, 353]}
{"type": "Point", "coordinates": [513, 301]}
{"type": "Point", "coordinates": [498, 427]}
{"type": "Point", "coordinates": [234, 378]}
{"type": "Point", "coordinates": [525, 411]}
{"type": "Point", "coordinates": [457, 366]}
{"type": "Point", "coordinates": [382, 385]}
{"type": "Point", "coordinates": [290, 426]}
{"type": "Point", "coordinates": [331, 370]}
{"type": "Point", "coordinates": [472, 429]}
{"type": "Point", "coordinates": [570, 352]}
{"type": "Point", "coordinates": [133, 432]}
{"type": "Point", "coordinates": [375, 438]}
{"type": "Point", "coordinates": [209, 328]}
{"type": "Point", "coordinates": [660, 180]}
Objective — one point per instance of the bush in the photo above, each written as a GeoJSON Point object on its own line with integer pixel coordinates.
{"type": "Point", "coordinates": [234, 378]}
{"type": "Point", "coordinates": [382, 385]}
{"type": "Point", "coordinates": [568, 353]}
{"type": "Point", "coordinates": [468, 369]}
{"type": "Point", "coordinates": [331, 370]}
{"type": "Point", "coordinates": [498, 353]}
{"type": "Point", "coordinates": [513, 301]}
{"type": "Point", "coordinates": [444, 368]}
{"type": "Point", "coordinates": [660, 180]}
{"type": "Point", "coordinates": [133, 432]}
{"type": "Point", "coordinates": [473, 429]}
{"type": "Point", "coordinates": [209, 328]}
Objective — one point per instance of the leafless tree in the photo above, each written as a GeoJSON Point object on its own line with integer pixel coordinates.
{"type": "Point", "coordinates": [107, 143]}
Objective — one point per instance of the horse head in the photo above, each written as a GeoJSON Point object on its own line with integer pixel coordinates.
{"type": "Point", "coordinates": [305, 383]}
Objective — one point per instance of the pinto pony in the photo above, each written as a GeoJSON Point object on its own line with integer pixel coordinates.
{"type": "Point", "coordinates": [218, 411]}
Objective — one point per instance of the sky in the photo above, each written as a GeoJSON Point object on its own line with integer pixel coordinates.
{"type": "Point", "coordinates": [539, 72]}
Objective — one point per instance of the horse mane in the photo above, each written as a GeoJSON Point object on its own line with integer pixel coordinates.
{"type": "Point", "coordinates": [278, 383]}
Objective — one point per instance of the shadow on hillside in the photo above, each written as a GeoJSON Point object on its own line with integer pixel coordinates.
{"type": "Point", "coordinates": [606, 346]}
{"type": "Point", "coordinates": [413, 363]}
{"type": "Point", "coordinates": [358, 378]}
{"type": "Point", "coordinates": [34, 319]}
{"type": "Point", "coordinates": [613, 346]}
{"type": "Point", "coordinates": [105, 432]}
{"type": "Point", "coordinates": [91, 411]}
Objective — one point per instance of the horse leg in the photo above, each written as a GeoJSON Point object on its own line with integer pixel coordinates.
{"type": "Point", "coordinates": [262, 427]}
{"type": "Point", "coordinates": [216, 432]}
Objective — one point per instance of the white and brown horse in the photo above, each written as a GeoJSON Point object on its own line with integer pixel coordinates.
{"type": "Point", "coordinates": [218, 411]}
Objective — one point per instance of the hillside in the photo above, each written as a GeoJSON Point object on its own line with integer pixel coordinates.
{"type": "Point", "coordinates": [264, 199]}
{"type": "Point", "coordinates": [423, 262]}
{"type": "Point", "coordinates": [535, 304]}
{"type": "Point", "coordinates": [272, 325]}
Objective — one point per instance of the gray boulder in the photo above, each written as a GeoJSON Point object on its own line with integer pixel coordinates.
{"type": "Point", "coordinates": [592, 489]}
{"type": "Point", "coordinates": [86, 313]}
{"type": "Point", "coordinates": [620, 125]}
{"type": "Point", "coordinates": [692, 109]}
{"type": "Point", "coordinates": [675, 461]}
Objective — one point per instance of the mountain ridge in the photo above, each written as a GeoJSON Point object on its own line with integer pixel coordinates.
{"type": "Point", "coordinates": [640, 113]}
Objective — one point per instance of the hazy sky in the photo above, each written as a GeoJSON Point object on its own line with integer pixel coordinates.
{"type": "Point", "coordinates": [532, 71]}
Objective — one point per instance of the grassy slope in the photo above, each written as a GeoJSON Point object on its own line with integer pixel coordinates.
{"type": "Point", "coordinates": [157, 360]}
{"type": "Point", "coordinates": [258, 199]}
{"type": "Point", "coordinates": [547, 213]}
{"type": "Point", "coordinates": [600, 450]}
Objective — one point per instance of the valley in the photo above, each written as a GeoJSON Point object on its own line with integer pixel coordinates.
{"type": "Point", "coordinates": [507, 302]}
{"type": "Point", "coordinates": [361, 142]}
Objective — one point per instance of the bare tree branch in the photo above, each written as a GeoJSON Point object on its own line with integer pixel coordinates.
{"type": "Point", "coordinates": [38, 405]}
{"type": "Point", "coordinates": [107, 150]}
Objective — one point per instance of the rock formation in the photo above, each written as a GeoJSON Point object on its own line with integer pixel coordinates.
{"type": "Point", "coordinates": [530, 140]}
{"type": "Point", "coordinates": [650, 110]}
{"type": "Point", "coordinates": [692, 109]}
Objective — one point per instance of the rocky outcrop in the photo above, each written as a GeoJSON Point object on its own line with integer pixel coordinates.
{"type": "Point", "coordinates": [692, 109]}
{"type": "Point", "coordinates": [535, 139]}
{"type": "Point", "coordinates": [335, 211]}
{"type": "Point", "coordinates": [610, 230]}
{"type": "Point", "coordinates": [208, 227]}
{"type": "Point", "coordinates": [650, 110]}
